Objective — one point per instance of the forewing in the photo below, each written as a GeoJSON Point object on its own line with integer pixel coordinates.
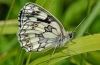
{"type": "Point", "coordinates": [38, 29]}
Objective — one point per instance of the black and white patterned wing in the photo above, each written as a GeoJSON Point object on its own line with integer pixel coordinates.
{"type": "Point", "coordinates": [38, 29]}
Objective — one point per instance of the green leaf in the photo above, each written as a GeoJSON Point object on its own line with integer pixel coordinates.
{"type": "Point", "coordinates": [82, 45]}
{"type": "Point", "coordinates": [11, 26]}
{"type": "Point", "coordinates": [40, 2]}
{"type": "Point", "coordinates": [86, 24]}
{"type": "Point", "coordinates": [45, 3]}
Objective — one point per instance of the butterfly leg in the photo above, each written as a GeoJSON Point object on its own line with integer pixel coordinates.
{"type": "Point", "coordinates": [88, 32]}
{"type": "Point", "coordinates": [52, 53]}
{"type": "Point", "coordinates": [72, 42]}
{"type": "Point", "coordinates": [68, 54]}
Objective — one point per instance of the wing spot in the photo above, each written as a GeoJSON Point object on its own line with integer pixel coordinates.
{"type": "Point", "coordinates": [34, 25]}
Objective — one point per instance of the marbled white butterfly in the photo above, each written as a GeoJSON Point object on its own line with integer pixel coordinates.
{"type": "Point", "coordinates": [39, 30]}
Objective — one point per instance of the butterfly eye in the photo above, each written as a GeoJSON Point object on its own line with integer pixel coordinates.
{"type": "Point", "coordinates": [71, 35]}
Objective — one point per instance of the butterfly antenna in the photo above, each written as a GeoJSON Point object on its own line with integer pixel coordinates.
{"type": "Point", "coordinates": [79, 25]}
{"type": "Point", "coordinates": [52, 53]}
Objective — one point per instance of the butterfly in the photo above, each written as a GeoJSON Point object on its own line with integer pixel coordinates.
{"type": "Point", "coordinates": [40, 30]}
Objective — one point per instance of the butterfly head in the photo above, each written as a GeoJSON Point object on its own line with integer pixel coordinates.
{"type": "Point", "coordinates": [69, 35]}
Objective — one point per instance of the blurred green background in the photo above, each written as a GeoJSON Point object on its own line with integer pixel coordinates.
{"type": "Point", "coordinates": [69, 12]}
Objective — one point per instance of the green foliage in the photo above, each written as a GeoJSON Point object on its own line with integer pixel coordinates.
{"type": "Point", "coordinates": [85, 51]}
